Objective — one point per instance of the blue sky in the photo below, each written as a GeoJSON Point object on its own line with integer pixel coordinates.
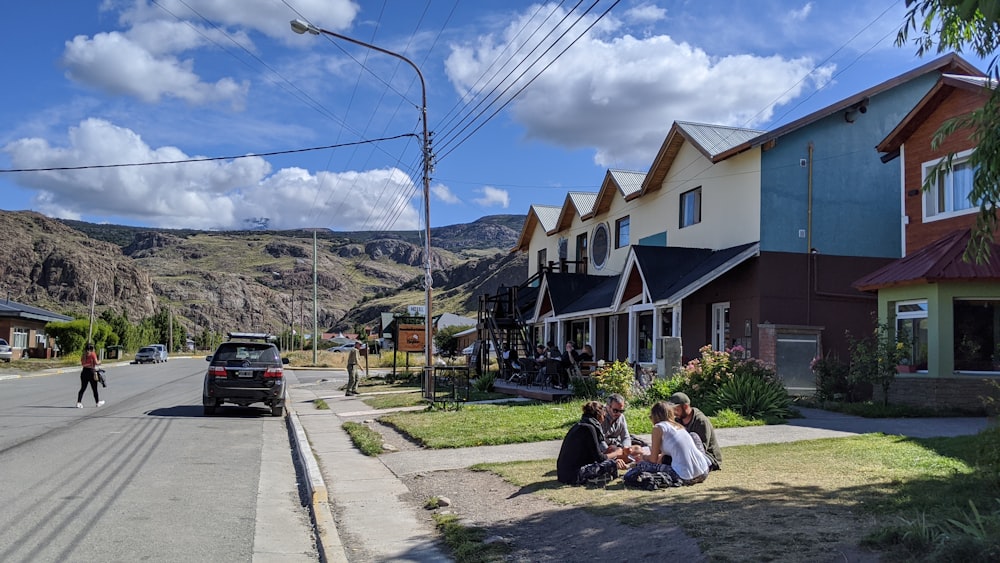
{"type": "Point", "coordinates": [95, 82]}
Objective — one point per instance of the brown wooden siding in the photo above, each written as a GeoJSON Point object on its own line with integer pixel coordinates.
{"type": "Point", "coordinates": [917, 150]}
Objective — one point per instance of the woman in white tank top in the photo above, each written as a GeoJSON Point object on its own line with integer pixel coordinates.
{"type": "Point", "coordinates": [687, 461]}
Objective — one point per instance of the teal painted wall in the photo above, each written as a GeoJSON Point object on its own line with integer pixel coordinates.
{"type": "Point", "coordinates": [856, 197]}
{"type": "Point", "coordinates": [659, 239]}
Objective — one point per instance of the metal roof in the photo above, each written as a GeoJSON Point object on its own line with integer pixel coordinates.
{"type": "Point", "coordinates": [10, 308]}
{"type": "Point", "coordinates": [716, 139]}
{"type": "Point", "coordinates": [548, 215]}
{"type": "Point", "coordinates": [629, 182]}
{"type": "Point", "coordinates": [583, 201]}
{"type": "Point", "coordinates": [936, 262]}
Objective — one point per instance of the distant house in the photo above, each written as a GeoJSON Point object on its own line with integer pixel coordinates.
{"type": "Point", "coordinates": [732, 237]}
{"type": "Point", "coordinates": [23, 326]}
{"type": "Point", "coordinates": [948, 308]}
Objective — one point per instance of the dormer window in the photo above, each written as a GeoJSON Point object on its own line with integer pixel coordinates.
{"type": "Point", "coordinates": [949, 193]}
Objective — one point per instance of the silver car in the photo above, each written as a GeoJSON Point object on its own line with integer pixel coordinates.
{"type": "Point", "coordinates": [6, 353]}
{"type": "Point", "coordinates": [147, 354]}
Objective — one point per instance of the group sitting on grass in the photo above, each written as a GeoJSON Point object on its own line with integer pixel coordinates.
{"type": "Point", "coordinates": [598, 446]}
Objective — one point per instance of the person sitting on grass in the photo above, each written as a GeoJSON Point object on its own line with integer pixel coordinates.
{"type": "Point", "coordinates": [688, 464]}
{"type": "Point", "coordinates": [584, 456]}
{"type": "Point", "coordinates": [693, 420]}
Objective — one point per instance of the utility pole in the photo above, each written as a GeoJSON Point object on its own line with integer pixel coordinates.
{"type": "Point", "coordinates": [90, 330]}
{"type": "Point", "coordinates": [315, 336]}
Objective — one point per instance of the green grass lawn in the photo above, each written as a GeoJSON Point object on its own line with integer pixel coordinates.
{"type": "Point", "coordinates": [509, 423]}
{"type": "Point", "coordinates": [802, 501]}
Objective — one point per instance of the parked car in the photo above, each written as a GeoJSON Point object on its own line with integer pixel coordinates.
{"type": "Point", "coordinates": [161, 350]}
{"type": "Point", "coordinates": [6, 353]}
{"type": "Point", "coordinates": [342, 348]}
{"type": "Point", "coordinates": [244, 370]}
{"type": "Point", "coordinates": [147, 355]}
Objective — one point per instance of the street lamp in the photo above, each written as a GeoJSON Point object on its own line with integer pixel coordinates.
{"type": "Point", "coordinates": [300, 27]}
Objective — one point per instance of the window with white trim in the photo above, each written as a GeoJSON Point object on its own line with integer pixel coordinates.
{"type": "Point", "coordinates": [911, 324]}
{"type": "Point", "coordinates": [20, 338]}
{"type": "Point", "coordinates": [948, 195]}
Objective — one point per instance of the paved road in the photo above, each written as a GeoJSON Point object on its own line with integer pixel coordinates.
{"type": "Point", "coordinates": [146, 476]}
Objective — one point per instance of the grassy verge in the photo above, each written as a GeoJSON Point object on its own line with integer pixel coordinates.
{"type": "Point", "coordinates": [804, 501]}
{"type": "Point", "coordinates": [365, 439]}
{"type": "Point", "coordinates": [509, 423]}
{"type": "Point", "coordinates": [466, 542]}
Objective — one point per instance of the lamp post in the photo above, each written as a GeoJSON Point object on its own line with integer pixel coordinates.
{"type": "Point", "coordinates": [299, 26]}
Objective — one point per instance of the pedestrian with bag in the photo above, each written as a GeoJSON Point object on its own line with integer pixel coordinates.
{"type": "Point", "coordinates": [89, 375]}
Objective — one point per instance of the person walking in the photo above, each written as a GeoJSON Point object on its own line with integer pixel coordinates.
{"type": "Point", "coordinates": [88, 375]}
{"type": "Point", "coordinates": [352, 366]}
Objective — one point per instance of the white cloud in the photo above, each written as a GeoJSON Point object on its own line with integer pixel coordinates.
{"type": "Point", "coordinates": [201, 195]}
{"type": "Point", "coordinates": [801, 14]}
{"type": "Point", "coordinates": [493, 197]}
{"type": "Point", "coordinates": [644, 14]}
{"type": "Point", "coordinates": [444, 193]}
{"type": "Point", "coordinates": [113, 62]}
{"type": "Point", "coordinates": [619, 94]}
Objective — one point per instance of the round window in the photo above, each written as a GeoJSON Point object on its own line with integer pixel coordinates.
{"type": "Point", "coordinates": [599, 246]}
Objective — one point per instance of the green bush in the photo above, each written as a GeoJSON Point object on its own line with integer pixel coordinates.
{"type": "Point", "coordinates": [988, 453]}
{"type": "Point", "coordinates": [831, 378]}
{"type": "Point", "coordinates": [585, 388]}
{"type": "Point", "coordinates": [660, 390]}
{"type": "Point", "coordinates": [704, 375]}
{"type": "Point", "coordinates": [484, 383]}
{"type": "Point", "coordinates": [617, 377]}
{"type": "Point", "coordinates": [751, 396]}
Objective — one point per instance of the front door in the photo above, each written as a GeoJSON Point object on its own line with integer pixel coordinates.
{"type": "Point", "coordinates": [720, 326]}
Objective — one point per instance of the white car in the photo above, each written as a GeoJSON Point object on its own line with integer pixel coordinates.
{"type": "Point", "coordinates": [342, 348]}
{"type": "Point", "coordinates": [161, 351]}
{"type": "Point", "coordinates": [6, 353]}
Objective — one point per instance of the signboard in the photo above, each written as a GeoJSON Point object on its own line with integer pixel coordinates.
{"type": "Point", "coordinates": [410, 338]}
{"type": "Point", "coordinates": [416, 310]}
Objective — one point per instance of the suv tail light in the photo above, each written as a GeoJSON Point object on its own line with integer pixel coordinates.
{"type": "Point", "coordinates": [217, 371]}
{"type": "Point", "coordinates": [274, 372]}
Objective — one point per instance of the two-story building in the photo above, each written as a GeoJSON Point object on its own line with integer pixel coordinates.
{"type": "Point", "coordinates": [733, 236]}
{"type": "Point", "coordinates": [948, 308]}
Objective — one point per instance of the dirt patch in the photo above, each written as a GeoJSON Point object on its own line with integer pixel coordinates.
{"type": "Point", "coordinates": [540, 530]}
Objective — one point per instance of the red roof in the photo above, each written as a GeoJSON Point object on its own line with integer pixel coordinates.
{"type": "Point", "coordinates": [936, 262]}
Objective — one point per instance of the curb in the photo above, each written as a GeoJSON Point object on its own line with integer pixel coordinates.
{"type": "Point", "coordinates": [328, 542]}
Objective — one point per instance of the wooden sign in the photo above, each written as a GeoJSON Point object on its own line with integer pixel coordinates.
{"type": "Point", "coordinates": [410, 338]}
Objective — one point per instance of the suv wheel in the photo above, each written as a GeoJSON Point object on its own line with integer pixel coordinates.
{"type": "Point", "coordinates": [277, 411]}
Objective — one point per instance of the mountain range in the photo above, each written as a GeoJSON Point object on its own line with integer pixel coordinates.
{"type": "Point", "coordinates": [252, 280]}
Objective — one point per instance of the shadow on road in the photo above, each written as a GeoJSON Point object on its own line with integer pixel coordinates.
{"type": "Point", "coordinates": [196, 411]}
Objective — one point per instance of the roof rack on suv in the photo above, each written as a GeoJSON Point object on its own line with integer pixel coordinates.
{"type": "Point", "coordinates": [250, 336]}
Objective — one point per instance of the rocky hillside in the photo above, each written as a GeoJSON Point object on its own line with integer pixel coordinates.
{"type": "Point", "coordinates": [251, 279]}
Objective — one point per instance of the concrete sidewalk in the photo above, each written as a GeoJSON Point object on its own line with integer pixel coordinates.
{"type": "Point", "coordinates": [373, 524]}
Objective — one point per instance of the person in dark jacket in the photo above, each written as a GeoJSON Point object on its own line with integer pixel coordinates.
{"type": "Point", "coordinates": [696, 421]}
{"type": "Point", "coordinates": [583, 456]}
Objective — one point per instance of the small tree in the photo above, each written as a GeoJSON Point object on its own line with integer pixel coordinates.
{"type": "Point", "coordinates": [445, 340]}
{"type": "Point", "coordinates": [874, 359]}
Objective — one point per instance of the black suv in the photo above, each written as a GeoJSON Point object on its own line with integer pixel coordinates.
{"type": "Point", "coordinates": [244, 370]}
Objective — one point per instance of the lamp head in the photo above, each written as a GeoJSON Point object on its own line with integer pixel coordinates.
{"type": "Point", "coordinates": [300, 27]}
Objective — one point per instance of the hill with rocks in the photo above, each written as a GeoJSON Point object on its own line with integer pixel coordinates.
{"type": "Point", "coordinates": [252, 280]}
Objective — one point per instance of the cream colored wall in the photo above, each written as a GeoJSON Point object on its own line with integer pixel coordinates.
{"type": "Point", "coordinates": [730, 210]}
{"type": "Point", "coordinates": [730, 205]}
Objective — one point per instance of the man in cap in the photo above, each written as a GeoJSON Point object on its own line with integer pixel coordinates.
{"type": "Point", "coordinates": [695, 421]}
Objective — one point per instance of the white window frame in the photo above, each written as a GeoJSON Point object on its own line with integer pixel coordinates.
{"type": "Point", "coordinates": [599, 265]}
{"type": "Point", "coordinates": [19, 338]}
{"type": "Point", "coordinates": [933, 195]}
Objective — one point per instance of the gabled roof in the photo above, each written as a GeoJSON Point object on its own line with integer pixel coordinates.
{"type": "Point", "coordinates": [670, 274]}
{"type": "Point", "coordinates": [950, 63]}
{"type": "Point", "coordinates": [579, 203]}
{"type": "Point", "coordinates": [624, 182]}
{"type": "Point", "coordinates": [713, 141]}
{"type": "Point", "coordinates": [936, 262]}
{"type": "Point", "coordinates": [17, 310]}
{"type": "Point", "coordinates": [544, 216]}
{"type": "Point", "coordinates": [600, 297]}
{"type": "Point", "coordinates": [944, 87]}
{"type": "Point", "coordinates": [562, 289]}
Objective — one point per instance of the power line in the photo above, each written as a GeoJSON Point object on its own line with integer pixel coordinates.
{"type": "Point", "coordinates": [203, 159]}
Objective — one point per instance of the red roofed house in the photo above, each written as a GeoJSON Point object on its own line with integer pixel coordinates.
{"type": "Point", "coordinates": [949, 307]}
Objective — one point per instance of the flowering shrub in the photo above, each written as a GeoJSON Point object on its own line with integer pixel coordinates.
{"type": "Point", "coordinates": [704, 377]}
{"type": "Point", "coordinates": [617, 377]}
{"type": "Point", "coordinates": [831, 378]}
{"type": "Point", "coordinates": [874, 359]}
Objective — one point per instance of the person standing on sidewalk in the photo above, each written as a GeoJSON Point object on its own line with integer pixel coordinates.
{"type": "Point", "coordinates": [88, 375]}
{"type": "Point", "coordinates": [352, 366]}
